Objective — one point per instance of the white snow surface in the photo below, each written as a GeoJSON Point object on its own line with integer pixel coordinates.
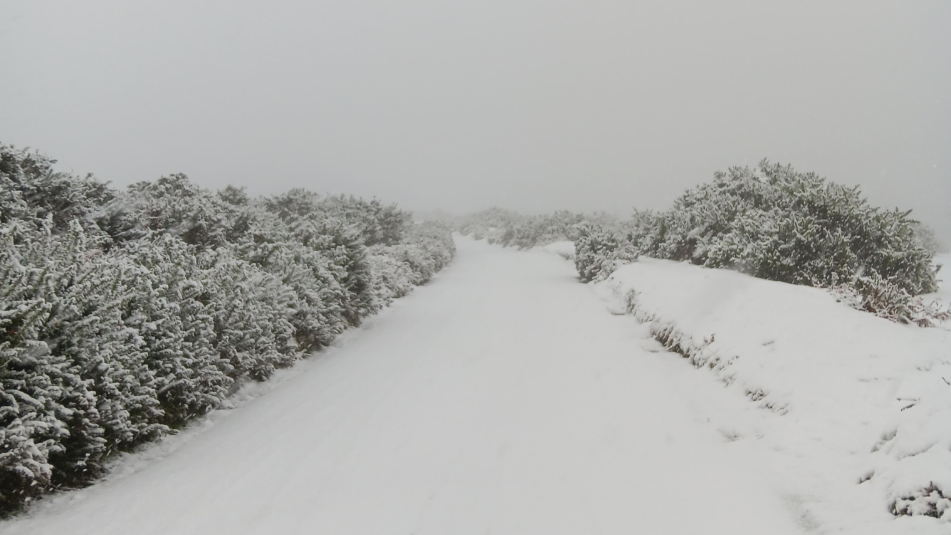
{"type": "Point", "coordinates": [504, 397]}
{"type": "Point", "coordinates": [564, 249]}
{"type": "Point", "coordinates": [835, 396]}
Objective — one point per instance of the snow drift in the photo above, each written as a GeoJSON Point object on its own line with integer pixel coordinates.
{"type": "Point", "coordinates": [856, 408]}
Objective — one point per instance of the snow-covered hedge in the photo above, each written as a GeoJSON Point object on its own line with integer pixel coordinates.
{"type": "Point", "coordinates": [125, 314]}
{"type": "Point", "coordinates": [778, 224]}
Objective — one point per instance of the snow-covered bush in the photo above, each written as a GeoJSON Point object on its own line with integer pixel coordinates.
{"type": "Point", "coordinates": [174, 205]}
{"type": "Point", "coordinates": [341, 244]}
{"type": "Point", "coordinates": [493, 224]}
{"type": "Point", "coordinates": [32, 192]}
{"type": "Point", "coordinates": [598, 252]}
{"type": "Point", "coordinates": [427, 248]}
{"type": "Point", "coordinates": [70, 358]}
{"type": "Point", "coordinates": [251, 311]}
{"type": "Point", "coordinates": [317, 313]}
{"type": "Point", "coordinates": [376, 223]}
{"type": "Point", "coordinates": [124, 315]}
{"type": "Point", "coordinates": [545, 229]}
{"type": "Point", "coordinates": [170, 308]}
{"type": "Point", "coordinates": [41, 396]}
{"type": "Point", "coordinates": [929, 501]}
{"type": "Point", "coordinates": [778, 224]}
{"type": "Point", "coordinates": [393, 277]}
{"type": "Point", "coordinates": [434, 247]}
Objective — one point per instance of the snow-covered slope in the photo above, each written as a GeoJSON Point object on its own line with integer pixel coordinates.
{"type": "Point", "coordinates": [852, 411]}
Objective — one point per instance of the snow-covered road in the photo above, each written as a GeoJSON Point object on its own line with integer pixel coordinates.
{"type": "Point", "coordinates": [502, 398]}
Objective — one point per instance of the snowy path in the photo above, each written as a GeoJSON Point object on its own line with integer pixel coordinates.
{"type": "Point", "coordinates": [502, 398]}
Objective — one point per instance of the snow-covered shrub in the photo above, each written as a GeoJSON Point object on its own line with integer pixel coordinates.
{"type": "Point", "coordinates": [70, 359]}
{"type": "Point", "coordinates": [251, 310]}
{"type": "Point", "coordinates": [334, 230]}
{"type": "Point", "coordinates": [293, 205]}
{"type": "Point", "coordinates": [778, 224]}
{"type": "Point", "coordinates": [36, 386]}
{"type": "Point", "coordinates": [175, 205]}
{"type": "Point", "coordinates": [929, 501]}
{"type": "Point", "coordinates": [598, 251]}
{"type": "Point", "coordinates": [376, 223]}
{"type": "Point", "coordinates": [493, 224]}
{"type": "Point", "coordinates": [392, 276]}
{"type": "Point", "coordinates": [434, 240]}
{"type": "Point", "coordinates": [426, 248]}
{"type": "Point", "coordinates": [545, 229]}
{"type": "Point", "coordinates": [170, 308]}
{"type": "Point", "coordinates": [343, 247]}
{"type": "Point", "coordinates": [32, 192]}
{"type": "Point", "coordinates": [317, 315]}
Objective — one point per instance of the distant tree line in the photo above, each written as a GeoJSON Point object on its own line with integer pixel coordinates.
{"type": "Point", "coordinates": [125, 314]}
{"type": "Point", "coordinates": [511, 229]}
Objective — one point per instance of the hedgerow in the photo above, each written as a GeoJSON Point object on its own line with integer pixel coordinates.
{"type": "Point", "coordinates": [125, 314]}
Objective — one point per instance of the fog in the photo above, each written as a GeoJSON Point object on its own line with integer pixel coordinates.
{"type": "Point", "coordinates": [530, 105]}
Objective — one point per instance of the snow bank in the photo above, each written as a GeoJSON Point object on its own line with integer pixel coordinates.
{"type": "Point", "coordinates": [858, 409]}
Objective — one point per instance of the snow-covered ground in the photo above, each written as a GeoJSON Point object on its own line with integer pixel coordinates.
{"type": "Point", "coordinates": [564, 249]}
{"type": "Point", "coordinates": [851, 411]}
{"type": "Point", "coordinates": [504, 397]}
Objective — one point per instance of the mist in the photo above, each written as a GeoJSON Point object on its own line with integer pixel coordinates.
{"type": "Point", "coordinates": [529, 105]}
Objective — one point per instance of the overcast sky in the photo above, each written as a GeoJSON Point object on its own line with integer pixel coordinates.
{"type": "Point", "coordinates": [532, 105]}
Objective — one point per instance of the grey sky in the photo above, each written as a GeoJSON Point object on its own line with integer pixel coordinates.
{"type": "Point", "coordinates": [532, 105]}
